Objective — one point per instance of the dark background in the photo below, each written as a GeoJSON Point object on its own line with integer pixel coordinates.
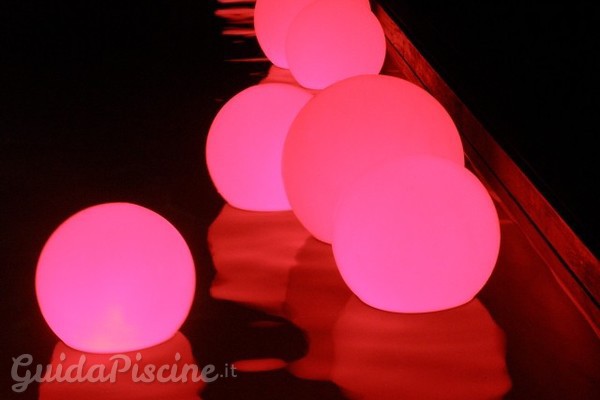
{"type": "Point", "coordinates": [111, 101]}
{"type": "Point", "coordinates": [101, 102]}
{"type": "Point", "coordinates": [528, 71]}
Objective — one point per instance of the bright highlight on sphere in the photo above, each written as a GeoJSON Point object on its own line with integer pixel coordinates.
{"type": "Point", "coordinates": [272, 19]}
{"type": "Point", "coordinates": [352, 126]}
{"type": "Point", "coordinates": [115, 277]}
{"type": "Point", "coordinates": [245, 145]}
{"type": "Point", "coordinates": [330, 40]}
{"type": "Point", "coordinates": [417, 234]}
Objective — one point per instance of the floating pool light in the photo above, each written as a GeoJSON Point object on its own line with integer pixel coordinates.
{"type": "Point", "coordinates": [115, 277]}
{"type": "Point", "coordinates": [417, 234]}
{"type": "Point", "coordinates": [349, 128]}
{"type": "Point", "coordinates": [245, 145]}
{"type": "Point", "coordinates": [330, 40]}
{"type": "Point", "coordinates": [272, 19]}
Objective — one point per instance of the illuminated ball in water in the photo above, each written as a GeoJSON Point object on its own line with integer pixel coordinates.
{"type": "Point", "coordinates": [416, 234]}
{"type": "Point", "coordinates": [330, 40]}
{"type": "Point", "coordinates": [352, 126]}
{"type": "Point", "coordinates": [115, 277]}
{"type": "Point", "coordinates": [245, 145]}
{"type": "Point", "coordinates": [272, 19]}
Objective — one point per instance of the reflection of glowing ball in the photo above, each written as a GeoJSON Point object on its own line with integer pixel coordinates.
{"type": "Point", "coordinates": [272, 19]}
{"type": "Point", "coordinates": [416, 234]}
{"type": "Point", "coordinates": [176, 353]}
{"type": "Point", "coordinates": [245, 144]}
{"type": "Point", "coordinates": [350, 127]}
{"type": "Point", "coordinates": [462, 350]}
{"type": "Point", "coordinates": [115, 277]}
{"type": "Point", "coordinates": [330, 40]}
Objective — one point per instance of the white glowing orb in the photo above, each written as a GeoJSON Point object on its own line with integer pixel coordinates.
{"type": "Point", "coordinates": [330, 40]}
{"type": "Point", "coordinates": [245, 145]}
{"type": "Point", "coordinates": [416, 234]}
{"type": "Point", "coordinates": [115, 277]}
{"type": "Point", "coordinates": [352, 126]}
{"type": "Point", "coordinates": [272, 19]}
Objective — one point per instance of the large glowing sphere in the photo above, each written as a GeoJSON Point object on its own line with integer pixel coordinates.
{"type": "Point", "coordinates": [352, 126]}
{"type": "Point", "coordinates": [115, 277]}
{"type": "Point", "coordinates": [272, 19]}
{"type": "Point", "coordinates": [245, 145]}
{"type": "Point", "coordinates": [416, 234]}
{"type": "Point", "coordinates": [330, 40]}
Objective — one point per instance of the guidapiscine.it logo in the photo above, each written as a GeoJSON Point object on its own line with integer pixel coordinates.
{"type": "Point", "coordinates": [118, 367]}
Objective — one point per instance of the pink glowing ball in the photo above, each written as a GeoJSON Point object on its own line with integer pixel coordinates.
{"type": "Point", "coordinates": [416, 234]}
{"type": "Point", "coordinates": [115, 277]}
{"type": "Point", "coordinates": [330, 40]}
{"type": "Point", "coordinates": [352, 126]}
{"type": "Point", "coordinates": [245, 145]}
{"type": "Point", "coordinates": [272, 19]}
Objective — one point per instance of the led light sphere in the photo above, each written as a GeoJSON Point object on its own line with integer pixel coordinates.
{"type": "Point", "coordinates": [330, 40]}
{"type": "Point", "coordinates": [115, 277]}
{"type": "Point", "coordinates": [245, 145]}
{"type": "Point", "coordinates": [352, 126]}
{"type": "Point", "coordinates": [416, 234]}
{"type": "Point", "coordinates": [272, 19]}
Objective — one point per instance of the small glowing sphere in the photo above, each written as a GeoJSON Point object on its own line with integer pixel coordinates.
{"type": "Point", "coordinates": [416, 234]}
{"type": "Point", "coordinates": [350, 127]}
{"type": "Point", "coordinates": [115, 277]}
{"type": "Point", "coordinates": [330, 40]}
{"type": "Point", "coordinates": [245, 145]}
{"type": "Point", "coordinates": [272, 19]}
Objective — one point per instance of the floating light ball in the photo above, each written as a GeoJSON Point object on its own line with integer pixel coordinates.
{"type": "Point", "coordinates": [416, 234]}
{"type": "Point", "coordinates": [330, 40]}
{"type": "Point", "coordinates": [272, 19]}
{"type": "Point", "coordinates": [115, 277]}
{"type": "Point", "coordinates": [352, 126]}
{"type": "Point", "coordinates": [245, 144]}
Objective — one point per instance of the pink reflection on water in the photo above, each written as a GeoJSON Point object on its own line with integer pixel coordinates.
{"type": "Point", "coordinates": [270, 262]}
{"type": "Point", "coordinates": [253, 253]}
{"type": "Point", "coordinates": [315, 297]}
{"type": "Point", "coordinates": [453, 354]}
{"type": "Point", "coordinates": [173, 356]}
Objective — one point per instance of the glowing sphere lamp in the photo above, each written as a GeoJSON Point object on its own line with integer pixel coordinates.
{"type": "Point", "coordinates": [330, 40]}
{"type": "Point", "coordinates": [245, 144]}
{"type": "Point", "coordinates": [272, 19]}
{"type": "Point", "coordinates": [115, 277]}
{"type": "Point", "coordinates": [352, 126]}
{"type": "Point", "coordinates": [416, 234]}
